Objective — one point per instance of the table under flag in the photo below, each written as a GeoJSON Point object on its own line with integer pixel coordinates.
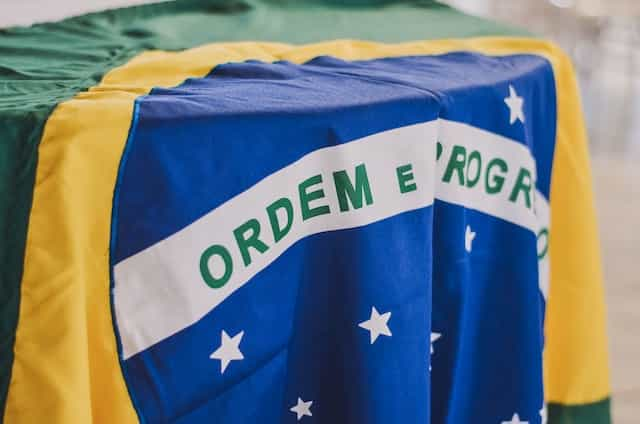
{"type": "Point", "coordinates": [309, 211]}
{"type": "Point", "coordinates": [337, 241]}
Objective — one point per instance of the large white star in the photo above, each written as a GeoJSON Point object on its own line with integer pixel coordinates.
{"type": "Point", "coordinates": [376, 324]}
{"type": "Point", "coordinates": [515, 103]}
{"type": "Point", "coordinates": [515, 420]}
{"type": "Point", "coordinates": [302, 408]}
{"type": "Point", "coordinates": [229, 350]}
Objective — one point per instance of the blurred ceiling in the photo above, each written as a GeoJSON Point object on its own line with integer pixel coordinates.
{"type": "Point", "coordinates": [29, 12]}
{"type": "Point", "coordinates": [602, 7]}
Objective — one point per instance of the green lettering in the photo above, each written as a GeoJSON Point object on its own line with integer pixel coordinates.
{"type": "Point", "coordinates": [344, 188]}
{"type": "Point", "coordinates": [544, 235]}
{"type": "Point", "coordinates": [523, 184]}
{"type": "Point", "coordinates": [474, 157]}
{"type": "Point", "coordinates": [244, 242]}
{"type": "Point", "coordinates": [493, 183]}
{"type": "Point", "coordinates": [205, 271]}
{"type": "Point", "coordinates": [457, 162]}
{"type": "Point", "coordinates": [280, 232]}
{"type": "Point", "coordinates": [308, 197]}
{"type": "Point", "coordinates": [438, 150]}
{"type": "Point", "coordinates": [405, 178]}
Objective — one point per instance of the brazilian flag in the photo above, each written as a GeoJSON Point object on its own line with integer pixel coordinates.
{"type": "Point", "coordinates": [242, 211]}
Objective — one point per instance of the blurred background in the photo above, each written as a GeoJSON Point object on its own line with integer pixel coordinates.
{"type": "Point", "coordinates": [603, 38]}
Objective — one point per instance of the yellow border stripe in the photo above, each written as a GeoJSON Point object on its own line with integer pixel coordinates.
{"type": "Point", "coordinates": [66, 368]}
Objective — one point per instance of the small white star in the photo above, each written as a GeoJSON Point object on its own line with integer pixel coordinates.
{"type": "Point", "coordinates": [376, 324]}
{"type": "Point", "coordinates": [302, 408]}
{"type": "Point", "coordinates": [468, 239]}
{"type": "Point", "coordinates": [543, 414]}
{"type": "Point", "coordinates": [434, 338]}
{"type": "Point", "coordinates": [514, 102]}
{"type": "Point", "coordinates": [229, 350]}
{"type": "Point", "coordinates": [515, 420]}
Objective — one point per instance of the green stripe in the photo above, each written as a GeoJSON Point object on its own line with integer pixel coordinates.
{"type": "Point", "coordinates": [19, 136]}
{"type": "Point", "coordinates": [42, 65]}
{"type": "Point", "coordinates": [590, 413]}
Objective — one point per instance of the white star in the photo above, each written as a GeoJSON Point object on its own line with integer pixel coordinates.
{"type": "Point", "coordinates": [434, 337]}
{"type": "Point", "coordinates": [515, 420]}
{"type": "Point", "coordinates": [376, 324]}
{"type": "Point", "coordinates": [468, 239]}
{"type": "Point", "coordinates": [302, 408]}
{"type": "Point", "coordinates": [543, 414]}
{"type": "Point", "coordinates": [515, 103]}
{"type": "Point", "coordinates": [229, 350]}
